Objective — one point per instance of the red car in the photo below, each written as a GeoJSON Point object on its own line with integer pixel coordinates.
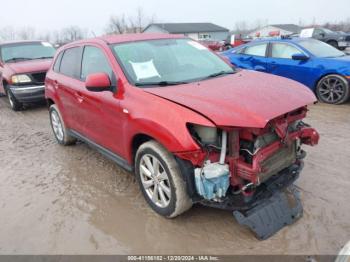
{"type": "Point", "coordinates": [23, 66]}
{"type": "Point", "coordinates": [191, 128]}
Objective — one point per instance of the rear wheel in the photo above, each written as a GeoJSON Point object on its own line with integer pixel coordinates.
{"type": "Point", "coordinates": [333, 89]}
{"type": "Point", "coordinates": [160, 180]}
{"type": "Point", "coordinates": [59, 128]}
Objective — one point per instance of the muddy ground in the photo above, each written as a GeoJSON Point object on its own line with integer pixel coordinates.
{"type": "Point", "coordinates": [72, 200]}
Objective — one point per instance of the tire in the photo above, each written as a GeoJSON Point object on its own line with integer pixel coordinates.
{"type": "Point", "coordinates": [333, 43]}
{"type": "Point", "coordinates": [58, 127]}
{"type": "Point", "coordinates": [166, 192]}
{"type": "Point", "coordinates": [15, 105]}
{"type": "Point", "coordinates": [333, 89]}
{"type": "Point", "coordinates": [342, 48]}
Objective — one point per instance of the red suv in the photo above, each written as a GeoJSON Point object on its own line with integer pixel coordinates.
{"type": "Point", "coordinates": [192, 128]}
{"type": "Point", "coordinates": [23, 66]}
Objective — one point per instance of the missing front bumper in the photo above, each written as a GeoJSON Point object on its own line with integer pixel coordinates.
{"type": "Point", "coordinates": [280, 210]}
{"type": "Point", "coordinates": [275, 204]}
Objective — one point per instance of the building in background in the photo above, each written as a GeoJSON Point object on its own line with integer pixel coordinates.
{"type": "Point", "coordinates": [196, 31]}
{"type": "Point", "coordinates": [276, 30]}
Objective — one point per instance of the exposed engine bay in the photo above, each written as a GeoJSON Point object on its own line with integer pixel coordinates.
{"type": "Point", "coordinates": [236, 165]}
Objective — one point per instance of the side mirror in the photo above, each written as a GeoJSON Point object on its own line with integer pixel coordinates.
{"type": "Point", "coordinates": [322, 34]}
{"type": "Point", "coordinates": [300, 57]}
{"type": "Point", "coordinates": [98, 82]}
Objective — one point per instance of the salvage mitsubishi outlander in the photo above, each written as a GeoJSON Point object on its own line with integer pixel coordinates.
{"type": "Point", "coordinates": [192, 128]}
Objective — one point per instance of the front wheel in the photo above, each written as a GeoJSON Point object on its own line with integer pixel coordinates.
{"type": "Point", "coordinates": [334, 44]}
{"type": "Point", "coordinates": [160, 180]}
{"type": "Point", "coordinates": [333, 89]}
{"type": "Point", "coordinates": [15, 105]}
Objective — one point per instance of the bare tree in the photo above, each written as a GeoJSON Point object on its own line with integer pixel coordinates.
{"type": "Point", "coordinates": [7, 33]}
{"type": "Point", "coordinates": [133, 24]}
{"type": "Point", "coordinates": [117, 25]}
{"type": "Point", "coordinates": [25, 33]}
{"type": "Point", "coordinates": [72, 33]}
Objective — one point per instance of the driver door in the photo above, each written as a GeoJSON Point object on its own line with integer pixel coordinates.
{"type": "Point", "coordinates": [281, 63]}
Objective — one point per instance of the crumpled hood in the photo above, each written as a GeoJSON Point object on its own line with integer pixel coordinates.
{"type": "Point", "coordinates": [244, 99]}
{"type": "Point", "coordinates": [30, 66]}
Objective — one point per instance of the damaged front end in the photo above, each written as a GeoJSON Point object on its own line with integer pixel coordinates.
{"type": "Point", "coordinates": [251, 171]}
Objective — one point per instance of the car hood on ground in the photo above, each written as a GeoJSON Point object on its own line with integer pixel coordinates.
{"type": "Point", "coordinates": [39, 65]}
{"type": "Point", "coordinates": [244, 99]}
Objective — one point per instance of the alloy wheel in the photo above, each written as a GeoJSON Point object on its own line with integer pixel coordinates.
{"type": "Point", "coordinates": [57, 125]}
{"type": "Point", "coordinates": [332, 90]}
{"type": "Point", "coordinates": [155, 180]}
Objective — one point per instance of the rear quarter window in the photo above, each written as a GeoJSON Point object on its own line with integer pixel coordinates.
{"type": "Point", "coordinates": [56, 66]}
{"type": "Point", "coordinates": [71, 62]}
{"type": "Point", "coordinates": [256, 50]}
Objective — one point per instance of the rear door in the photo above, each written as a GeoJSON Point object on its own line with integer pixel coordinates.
{"type": "Point", "coordinates": [252, 57]}
{"type": "Point", "coordinates": [280, 63]}
{"type": "Point", "coordinates": [69, 87]}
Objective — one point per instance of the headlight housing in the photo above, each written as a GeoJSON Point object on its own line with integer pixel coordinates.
{"type": "Point", "coordinates": [204, 135]}
{"type": "Point", "coordinates": [20, 79]}
{"type": "Point", "coordinates": [342, 38]}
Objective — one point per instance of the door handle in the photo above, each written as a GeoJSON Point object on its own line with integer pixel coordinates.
{"type": "Point", "coordinates": [260, 68]}
{"type": "Point", "coordinates": [79, 97]}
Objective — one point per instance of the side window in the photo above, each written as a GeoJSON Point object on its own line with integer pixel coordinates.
{"type": "Point", "coordinates": [256, 50]}
{"type": "Point", "coordinates": [70, 62]}
{"type": "Point", "coordinates": [280, 50]}
{"type": "Point", "coordinates": [94, 61]}
{"type": "Point", "coordinates": [318, 32]}
{"type": "Point", "coordinates": [56, 66]}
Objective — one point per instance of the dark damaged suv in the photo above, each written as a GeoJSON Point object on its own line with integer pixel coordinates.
{"type": "Point", "coordinates": [23, 67]}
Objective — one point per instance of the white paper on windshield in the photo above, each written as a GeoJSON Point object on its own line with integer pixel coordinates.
{"type": "Point", "coordinates": [144, 70]}
{"type": "Point", "coordinates": [46, 44]}
{"type": "Point", "coordinates": [232, 42]}
{"type": "Point", "coordinates": [306, 33]}
{"type": "Point", "coordinates": [197, 45]}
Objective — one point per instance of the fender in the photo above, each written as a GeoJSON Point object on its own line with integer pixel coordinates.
{"type": "Point", "coordinates": [171, 141]}
{"type": "Point", "coordinates": [163, 120]}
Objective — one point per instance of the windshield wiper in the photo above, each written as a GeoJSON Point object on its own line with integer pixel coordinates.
{"type": "Point", "coordinates": [221, 73]}
{"type": "Point", "coordinates": [161, 83]}
{"type": "Point", "coordinates": [43, 57]}
{"type": "Point", "coordinates": [17, 59]}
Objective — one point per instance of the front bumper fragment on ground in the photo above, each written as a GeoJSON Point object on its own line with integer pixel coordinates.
{"type": "Point", "coordinates": [275, 204]}
{"type": "Point", "coordinates": [273, 214]}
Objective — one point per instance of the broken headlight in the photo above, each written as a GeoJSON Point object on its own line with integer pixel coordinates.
{"type": "Point", "coordinates": [204, 135]}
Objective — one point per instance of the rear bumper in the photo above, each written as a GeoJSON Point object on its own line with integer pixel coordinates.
{"type": "Point", "coordinates": [28, 94]}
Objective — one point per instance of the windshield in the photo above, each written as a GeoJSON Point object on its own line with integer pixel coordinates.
{"type": "Point", "coordinates": [168, 61]}
{"type": "Point", "coordinates": [320, 49]}
{"type": "Point", "coordinates": [328, 31]}
{"type": "Point", "coordinates": [26, 51]}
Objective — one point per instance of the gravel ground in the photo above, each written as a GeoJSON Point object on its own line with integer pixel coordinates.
{"type": "Point", "coordinates": [72, 200]}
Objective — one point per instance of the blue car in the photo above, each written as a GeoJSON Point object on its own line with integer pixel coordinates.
{"type": "Point", "coordinates": [319, 66]}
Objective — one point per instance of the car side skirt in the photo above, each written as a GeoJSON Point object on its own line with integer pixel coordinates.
{"type": "Point", "coordinates": [123, 163]}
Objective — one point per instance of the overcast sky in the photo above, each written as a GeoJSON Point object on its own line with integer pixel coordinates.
{"type": "Point", "coordinates": [94, 14]}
